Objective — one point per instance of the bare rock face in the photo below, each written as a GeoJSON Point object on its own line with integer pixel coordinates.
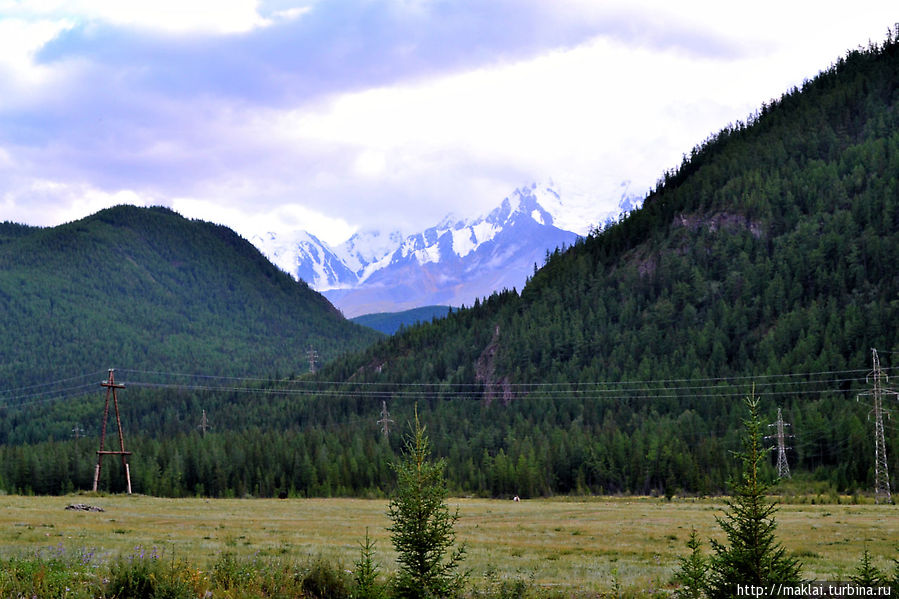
{"type": "Point", "coordinates": [495, 387]}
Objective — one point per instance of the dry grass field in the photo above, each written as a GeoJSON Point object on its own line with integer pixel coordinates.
{"type": "Point", "coordinates": [588, 544]}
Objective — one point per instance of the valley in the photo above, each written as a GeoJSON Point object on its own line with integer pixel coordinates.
{"type": "Point", "coordinates": [564, 546]}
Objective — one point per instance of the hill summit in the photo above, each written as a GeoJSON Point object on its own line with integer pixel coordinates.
{"type": "Point", "coordinates": [147, 288]}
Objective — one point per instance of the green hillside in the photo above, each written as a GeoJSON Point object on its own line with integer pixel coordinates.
{"type": "Point", "coordinates": [765, 263]}
{"type": "Point", "coordinates": [766, 259]}
{"type": "Point", "coordinates": [151, 290]}
{"type": "Point", "coordinates": [770, 250]}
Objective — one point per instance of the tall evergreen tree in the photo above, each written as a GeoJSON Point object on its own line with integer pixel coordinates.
{"type": "Point", "coordinates": [423, 526]}
{"type": "Point", "coordinates": [752, 554]}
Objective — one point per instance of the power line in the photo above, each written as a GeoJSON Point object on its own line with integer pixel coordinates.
{"type": "Point", "coordinates": [859, 374]}
{"type": "Point", "coordinates": [28, 388]}
{"type": "Point", "coordinates": [782, 385]}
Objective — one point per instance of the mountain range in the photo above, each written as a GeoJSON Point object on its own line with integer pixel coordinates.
{"type": "Point", "coordinates": [452, 263]}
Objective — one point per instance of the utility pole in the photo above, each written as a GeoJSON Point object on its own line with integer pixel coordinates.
{"type": "Point", "coordinates": [111, 387]}
{"type": "Point", "coordinates": [312, 356]}
{"type": "Point", "coordinates": [385, 420]}
{"type": "Point", "coordinates": [77, 431]}
{"type": "Point", "coordinates": [881, 475]}
{"type": "Point", "coordinates": [204, 424]}
{"type": "Point", "coordinates": [783, 467]}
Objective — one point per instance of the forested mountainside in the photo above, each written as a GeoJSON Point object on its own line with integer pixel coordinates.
{"type": "Point", "coordinates": [764, 263]}
{"type": "Point", "coordinates": [150, 289]}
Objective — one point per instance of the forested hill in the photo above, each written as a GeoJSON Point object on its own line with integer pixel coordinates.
{"type": "Point", "coordinates": [767, 257]}
{"type": "Point", "coordinates": [148, 289]}
{"type": "Point", "coordinates": [771, 250]}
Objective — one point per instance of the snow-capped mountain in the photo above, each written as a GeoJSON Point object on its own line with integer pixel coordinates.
{"type": "Point", "coordinates": [305, 257]}
{"type": "Point", "coordinates": [451, 263]}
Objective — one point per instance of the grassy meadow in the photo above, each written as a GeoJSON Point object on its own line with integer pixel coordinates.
{"type": "Point", "coordinates": [590, 544]}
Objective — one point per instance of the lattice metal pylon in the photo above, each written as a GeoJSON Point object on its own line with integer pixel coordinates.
{"type": "Point", "coordinates": [111, 387]}
{"type": "Point", "coordinates": [881, 474]}
{"type": "Point", "coordinates": [783, 467]}
{"type": "Point", "coordinates": [385, 420]}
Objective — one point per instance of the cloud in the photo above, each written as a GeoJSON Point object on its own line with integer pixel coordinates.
{"type": "Point", "coordinates": [69, 201]}
{"type": "Point", "coordinates": [357, 113]}
{"type": "Point", "coordinates": [174, 16]}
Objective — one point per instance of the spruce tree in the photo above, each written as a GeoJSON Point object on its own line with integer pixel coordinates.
{"type": "Point", "coordinates": [365, 576]}
{"type": "Point", "coordinates": [752, 555]}
{"type": "Point", "coordinates": [692, 574]}
{"type": "Point", "coordinates": [423, 526]}
{"type": "Point", "coordinates": [867, 574]}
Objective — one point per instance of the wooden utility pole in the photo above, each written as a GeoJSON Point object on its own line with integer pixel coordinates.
{"type": "Point", "coordinates": [111, 387]}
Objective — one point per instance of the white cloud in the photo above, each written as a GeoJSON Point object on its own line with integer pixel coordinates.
{"type": "Point", "coordinates": [20, 40]}
{"type": "Point", "coordinates": [600, 113]}
{"type": "Point", "coordinates": [291, 14]}
{"type": "Point", "coordinates": [173, 16]}
{"type": "Point", "coordinates": [277, 219]}
{"type": "Point", "coordinates": [27, 202]}
{"type": "Point", "coordinates": [366, 132]}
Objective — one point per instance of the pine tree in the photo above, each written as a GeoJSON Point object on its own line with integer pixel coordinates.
{"type": "Point", "coordinates": [423, 527]}
{"type": "Point", "coordinates": [692, 575]}
{"type": "Point", "coordinates": [867, 574]}
{"type": "Point", "coordinates": [365, 576]}
{"type": "Point", "coordinates": [752, 554]}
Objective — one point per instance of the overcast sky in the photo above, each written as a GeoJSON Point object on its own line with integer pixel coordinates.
{"type": "Point", "coordinates": [336, 115]}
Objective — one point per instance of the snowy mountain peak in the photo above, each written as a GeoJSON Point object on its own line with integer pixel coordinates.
{"type": "Point", "coordinates": [451, 263]}
{"type": "Point", "coordinates": [367, 247]}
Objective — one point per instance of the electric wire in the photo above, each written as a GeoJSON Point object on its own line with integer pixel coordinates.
{"type": "Point", "coordinates": [724, 387]}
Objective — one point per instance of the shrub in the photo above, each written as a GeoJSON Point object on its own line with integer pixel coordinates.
{"type": "Point", "coordinates": [324, 581]}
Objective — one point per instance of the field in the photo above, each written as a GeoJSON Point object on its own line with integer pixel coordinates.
{"type": "Point", "coordinates": [592, 544]}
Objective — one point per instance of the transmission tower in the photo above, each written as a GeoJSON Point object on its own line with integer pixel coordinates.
{"type": "Point", "coordinates": [204, 424]}
{"type": "Point", "coordinates": [783, 467]}
{"type": "Point", "coordinates": [881, 476]}
{"type": "Point", "coordinates": [312, 356]}
{"type": "Point", "coordinates": [385, 420]}
{"type": "Point", "coordinates": [111, 387]}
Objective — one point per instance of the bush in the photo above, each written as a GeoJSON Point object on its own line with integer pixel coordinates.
{"type": "Point", "coordinates": [144, 575]}
{"type": "Point", "coordinates": [324, 581]}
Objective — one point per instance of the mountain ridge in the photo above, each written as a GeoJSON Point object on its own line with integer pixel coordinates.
{"type": "Point", "coordinates": [453, 263]}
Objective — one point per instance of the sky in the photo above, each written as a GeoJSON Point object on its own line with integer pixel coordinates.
{"type": "Point", "coordinates": [334, 116]}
